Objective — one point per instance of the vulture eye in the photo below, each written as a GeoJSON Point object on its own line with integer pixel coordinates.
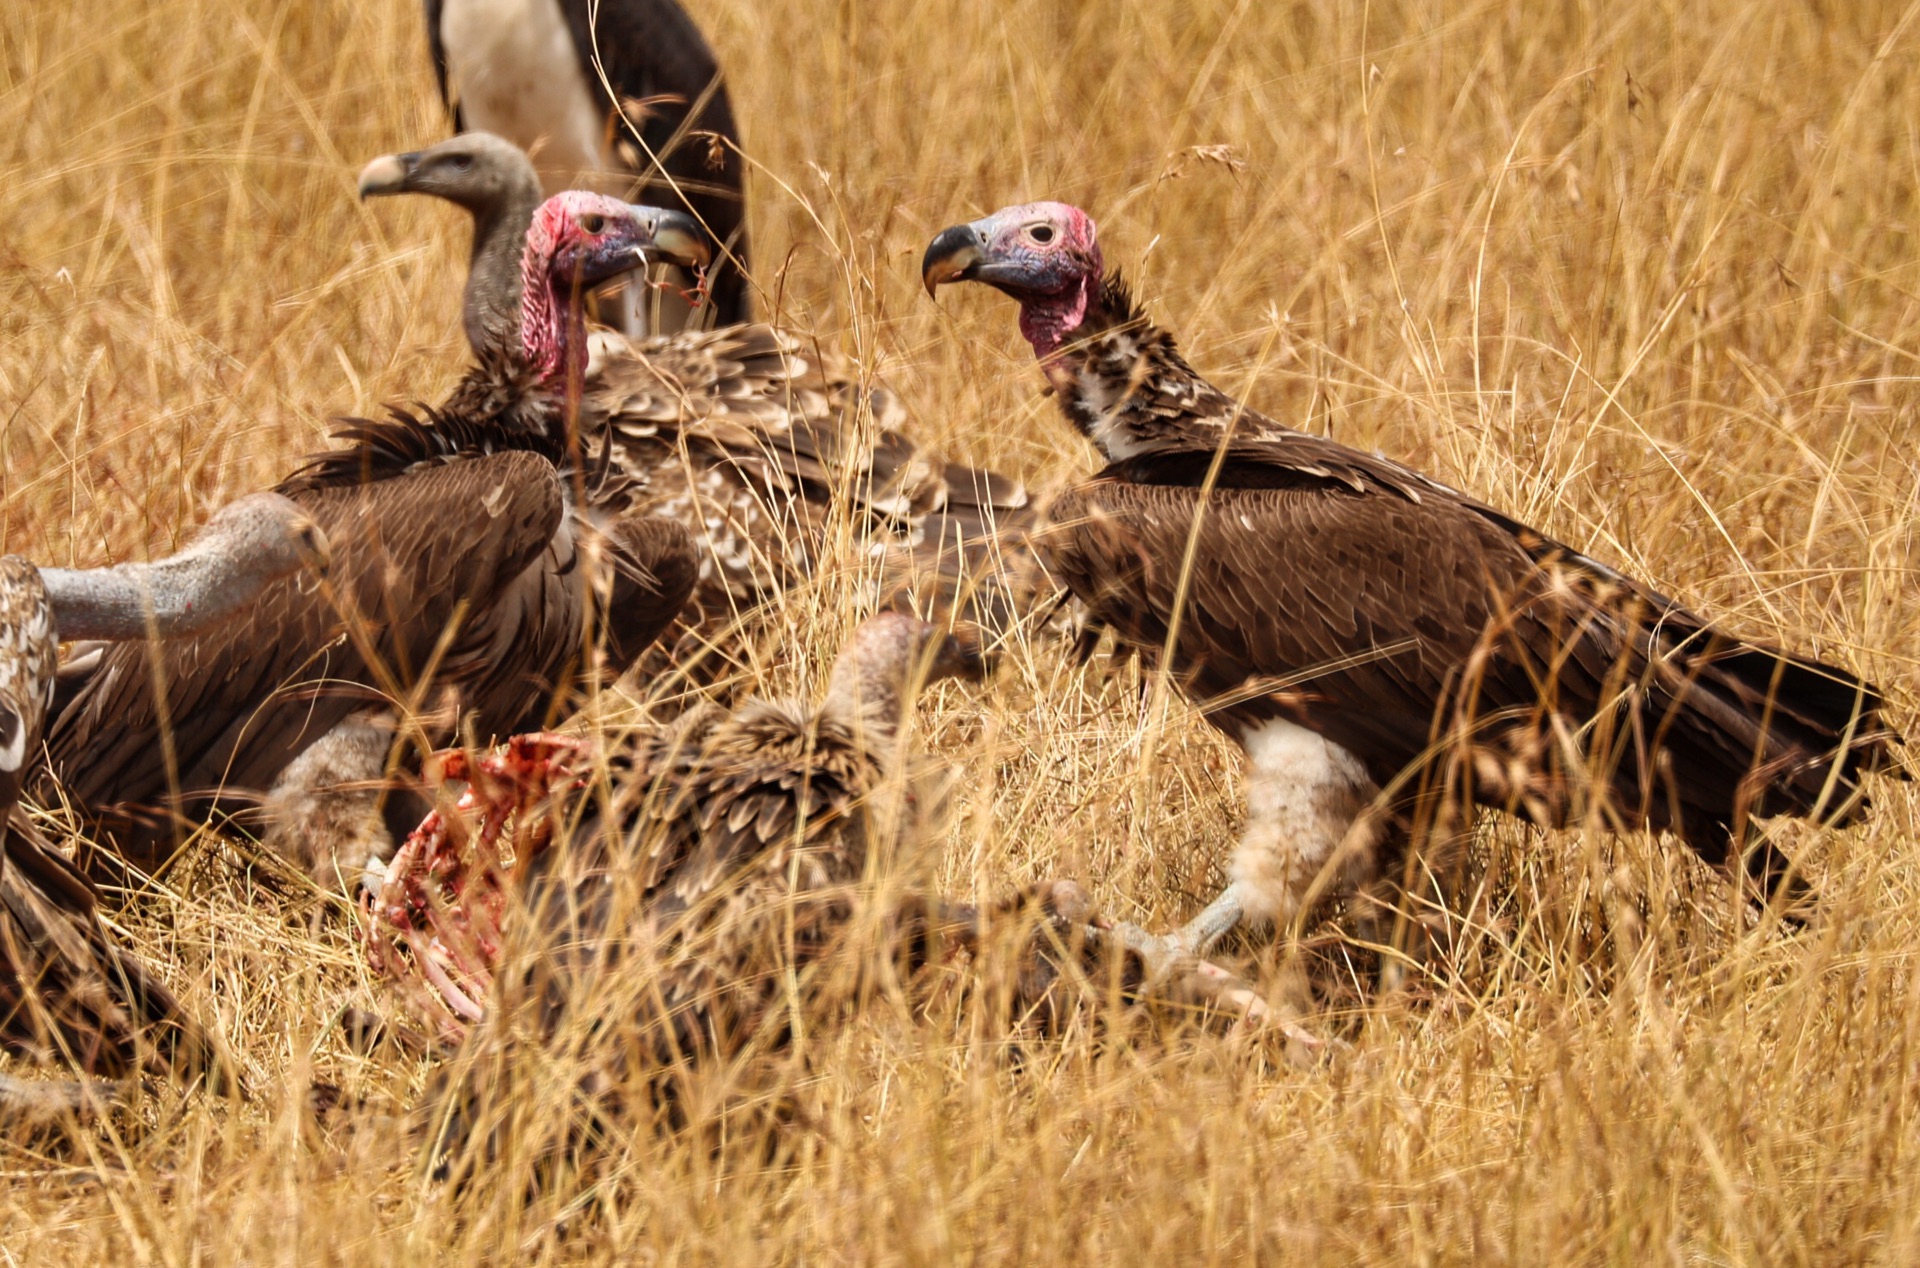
{"type": "Point", "coordinates": [593, 223]}
{"type": "Point", "coordinates": [1042, 234]}
{"type": "Point", "coordinates": [461, 162]}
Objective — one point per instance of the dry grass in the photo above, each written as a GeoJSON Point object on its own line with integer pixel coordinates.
{"type": "Point", "coordinates": [1643, 273]}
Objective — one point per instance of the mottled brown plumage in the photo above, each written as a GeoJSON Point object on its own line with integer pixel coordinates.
{"type": "Point", "coordinates": [69, 990]}
{"type": "Point", "coordinates": [758, 443]}
{"type": "Point", "coordinates": [477, 551]}
{"type": "Point", "coordinates": [729, 876]}
{"type": "Point", "coordinates": [755, 439]}
{"type": "Point", "coordinates": [720, 855]}
{"type": "Point", "coordinates": [1432, 643]}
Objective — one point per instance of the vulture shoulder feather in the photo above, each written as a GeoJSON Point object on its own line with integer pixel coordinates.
{"type": "Point", "coordinates": [759, 443]}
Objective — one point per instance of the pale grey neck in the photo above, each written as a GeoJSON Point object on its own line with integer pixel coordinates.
{"type": "Point", "coordinates": [246, 547]}
{"type": "Point", "coordinates": [868, 688]}
{"type": "Point", "coordinates": [491, 310]}
{"type": "Point", "coordinates": [870, 704]}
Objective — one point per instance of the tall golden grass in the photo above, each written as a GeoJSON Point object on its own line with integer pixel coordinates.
{"type": "Point", "coordinates": [1641, 273]}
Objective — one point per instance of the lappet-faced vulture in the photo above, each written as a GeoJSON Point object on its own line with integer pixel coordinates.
{"type": "Point", "coordinates": [1359, 627]}
{"type": "Point", "coordinates": [484, 557]}
{"type": "Point", "coordinates": [748, 434]}
{"type": "Point", "coordinates": [69, 990]}
{"type": "Point", "coordinates": [532, 72]}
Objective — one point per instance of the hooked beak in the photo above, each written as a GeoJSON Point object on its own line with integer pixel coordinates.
{"type": "Point", "coordinates": [672, 237]}
{"type": "Point", "coordinates": [387, 174]}
{"type": "Point", "coordinates": [955, 255]}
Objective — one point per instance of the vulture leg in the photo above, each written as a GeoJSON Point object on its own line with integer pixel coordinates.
{"type": "Point", "coordinates": [1308, 829]}
{"type": "Point", "coordinates": [37, 1103]}
{"type": "Point", "coordinates": [326, 814]}
{"type": "Point", "coordinates": [1175, 976]}
{"type": "Point", "coordinates": [1152, 967]}
{"type": "Point", "coordinates": [1221, 917]}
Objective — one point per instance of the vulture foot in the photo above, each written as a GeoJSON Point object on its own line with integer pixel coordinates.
{"type": "Point", "coordinates": [1154, 967]}
{"type": "Point", "coordinates": [1172, 973]}
{"type": "Point", "coordinates": [33, 1104]}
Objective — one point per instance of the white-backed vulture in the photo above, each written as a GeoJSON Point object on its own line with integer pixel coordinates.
{"type": "Point", "coordinates": [747, 434]}
{"type": "Point", "coordinates": [69, 990]}
{"type": "Point", "coordinates": [526, 70]}
{"type": "Point", "coordinates": [483, 556]}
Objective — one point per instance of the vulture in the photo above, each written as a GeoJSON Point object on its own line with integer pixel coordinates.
{"type": "Point", "coordinates": [485, 561]}
{"type": "Point", "coordinates": [1382, 645]}
{"type": "Point", "coordinates": [532, 71]}
{"type": "Point", "coordinates": [743, 868]}
{"type": "Point", "coordinates": [68, 988]}
{"type": "Point", "coordinates": [745, 433]}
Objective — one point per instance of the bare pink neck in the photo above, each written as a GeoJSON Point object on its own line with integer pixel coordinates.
{"type": "Point", "coordinates": [553, 326]}
{"type": "Point", "coordinates": [1048, 322]}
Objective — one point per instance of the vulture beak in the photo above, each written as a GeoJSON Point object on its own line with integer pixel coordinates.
{"type": "Point", "coordinates": [387, 174]}
{"type": "Point", "coordinates": [672, 237]}
{"type": "Point", "coordinates": [954, 256]}
{"type": "Point", "coordinates": [963, 654]}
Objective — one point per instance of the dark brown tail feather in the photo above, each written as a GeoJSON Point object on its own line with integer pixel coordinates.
{"type": "Point", "coordinates": [1759, 733]}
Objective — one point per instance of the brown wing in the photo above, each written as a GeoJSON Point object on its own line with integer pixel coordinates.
{"type": "Point", "coordinates": [439, 550]}
{"type": "Point", "coordinates": [971, 558]}
{"type": "Point", "coordinates": [68, 989]}
{"type": "Point", "coordinates": [1283, 587]}
{"type": "Point", "coordinates": [655, 565]}
{"type": "Point", "coordinates": [598, 592]}
{"type": "Point", "coordinates": [1371, 613]}
{"type": "Point", "coordinates": [652, 49]}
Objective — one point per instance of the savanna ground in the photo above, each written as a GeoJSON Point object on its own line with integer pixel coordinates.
{"type": "Point", "coordinates": [1644, 274]}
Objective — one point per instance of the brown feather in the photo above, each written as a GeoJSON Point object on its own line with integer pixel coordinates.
{"type": "Point", "coordinates": [757, 444]}
{"type": "Point", "coordinates": [1349, 594]}
{"type": "Point", "coordinates": [725, 853]}
{"type": "Point", "coordinates": [457, 564]}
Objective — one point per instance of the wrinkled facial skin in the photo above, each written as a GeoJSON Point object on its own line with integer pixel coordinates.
{"type": "Point", "coordinates": [591, 238]}
{"type": "Point", "coordinates": [578, 240]}
{"type": "Point", "coordinates": [1043, 254]}
{"type": "Point", "coordinates": [1034, 251]}
{"type": "Point", "coordinates": [597, 241]}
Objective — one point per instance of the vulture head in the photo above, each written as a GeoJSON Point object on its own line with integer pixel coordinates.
{"type": "Point", "coordinates": [1043, 254]}
{"type": "Point", "coordinates": [577, 241]}
{"type": "Point", "coordinates": [475, 170]}
{"type": "Point", "coordinates": [890, 656]}
{"type": "Point", "coordinates": [494, 181]}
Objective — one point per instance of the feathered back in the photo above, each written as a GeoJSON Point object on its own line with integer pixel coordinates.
{"type": "Point", "coordinates": [1403, 619]}
{"type": "Point", "coordinates": [762, 446]}
{"type": "Point", "coordinates": [723, 856]}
